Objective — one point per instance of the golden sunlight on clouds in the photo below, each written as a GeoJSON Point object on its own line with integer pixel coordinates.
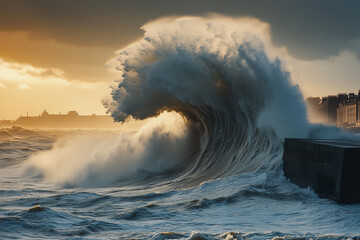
{"type": "Point", "coordinates": [25, 75]}
{"type": "Point", "coordinates": [26, 88]}
{"type": "Point", "coordinates": [83, 63]}
{"type": "Point", "coordinates": [23, 86]}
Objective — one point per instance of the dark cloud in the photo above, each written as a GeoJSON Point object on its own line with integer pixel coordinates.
{"type": "Point", "coordinates": [309, 29]}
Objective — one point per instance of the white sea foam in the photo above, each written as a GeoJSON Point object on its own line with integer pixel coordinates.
{"type": "Point", "coordinates": [235, 102]}
{"type": "Point", "coordinates": [98, 160]}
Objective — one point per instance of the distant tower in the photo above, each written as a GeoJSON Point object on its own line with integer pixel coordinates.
{"type": "Point", "coordinates": [45, 113]}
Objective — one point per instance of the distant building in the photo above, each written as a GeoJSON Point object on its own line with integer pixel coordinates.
{"type": "Point", "coordinates": [6, 123]}
{"type": "Point", "coordinates": [341, 115]}
{"type": "Point", "coordinates": [351, 112]}
{"type": "Point", "coordinates": [313, 102]}
{"type": "Point", "coordinates": [325, 108]}
{"type": "Point", "coordinates": [348, 111]}
{"type": "Point", "coordinates": [342, 97]}
{"type": "Point", "coordinates": [342, 110]}
{"type": "Point", "coordinates": [70, 120]}
{"type": "Point", "coordinates": [328, 107]}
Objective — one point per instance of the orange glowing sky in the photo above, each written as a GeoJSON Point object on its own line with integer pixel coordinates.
{"type": "Point", "coordinates": [53, 53]}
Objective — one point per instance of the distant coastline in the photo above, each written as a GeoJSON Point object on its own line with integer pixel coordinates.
{"type": "Point", "coordinates": [71, 119]}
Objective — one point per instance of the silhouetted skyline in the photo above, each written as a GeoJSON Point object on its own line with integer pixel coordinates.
{"type": "Point", "coordinates": [72, 119]}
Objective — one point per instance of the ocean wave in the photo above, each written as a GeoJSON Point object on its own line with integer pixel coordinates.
{"type": "Point", "coordinates": [219, 101]}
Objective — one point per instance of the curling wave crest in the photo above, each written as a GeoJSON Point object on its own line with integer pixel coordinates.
{"type": "Point", "coordinates": [221, 104]}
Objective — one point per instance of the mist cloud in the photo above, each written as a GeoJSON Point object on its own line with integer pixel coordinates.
{"type": "Point", "coordinates": [101, 160]}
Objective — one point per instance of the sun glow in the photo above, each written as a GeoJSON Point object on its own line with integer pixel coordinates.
{"type": "Point", "coordinates": [34, 89]}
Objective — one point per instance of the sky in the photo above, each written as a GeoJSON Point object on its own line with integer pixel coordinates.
{"type": "Point", "coordinates": [53, 53]}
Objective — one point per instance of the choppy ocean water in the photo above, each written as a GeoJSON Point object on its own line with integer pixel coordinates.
{"type": "Point", "coordinates": [252, 205]}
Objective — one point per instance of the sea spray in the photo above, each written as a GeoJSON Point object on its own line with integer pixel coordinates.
{"type": "Point", "coordinates": [217, 62]}
{"type": "Point", "coordinates": [230, 103]}
{"type": "Point", "coordinates": [103, 159]}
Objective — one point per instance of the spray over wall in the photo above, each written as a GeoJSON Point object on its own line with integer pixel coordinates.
{"type": "Point", "coordinates": [231, 104]}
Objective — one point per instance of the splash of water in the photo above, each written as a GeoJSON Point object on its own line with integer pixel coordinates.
{"type": "Point", "coordinates": [93, 160]}
{"type": "Point", "coordinates": [235, 103]}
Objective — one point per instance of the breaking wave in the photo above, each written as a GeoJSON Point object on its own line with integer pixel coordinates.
{"type": "Point", "coordinates": [228, 106]}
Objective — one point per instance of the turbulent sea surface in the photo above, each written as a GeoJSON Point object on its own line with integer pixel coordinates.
{"type": "Point", "coordinates": [215, 105]}
{"type": "Point", "coordinates": [256, 205]}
